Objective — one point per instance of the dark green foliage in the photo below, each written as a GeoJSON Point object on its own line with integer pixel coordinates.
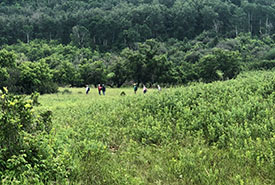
{"type": "Point", "coordinates": [7, 59]}
{"type": "Point", "coordinates": [113, 24]}
{"type": "Point", "coordinates": [25, 77]}
{"type": "Point", "coordinates": [261, 65]}
{"type": "Point", "coordinates": [93, 72]}
{"type": "Point", "coordinates": [270, 55]}
{"type": "Point", "coordinates": [219, 65]}
{"type": "Point", "coordinates": [118, 73]}
{"type": "Point", "coordinates": [66, 74]}
{"type": "Point", "coordinates": [193, 56]}
{"type": "Point", "coordinates": [188, 72]}
{"type": "Point", "coordinates": [4, 75]}
{"type": "Point", "coordinates": [36, 77]}
{"type": "Point", "coordinates": [147, 41]}
{"type": "Point", "coordinates": [172, 62]}
{"type": "Point", "coordinates": [7, 62]}
{"type": "Point", "coordinates": [149, 64]}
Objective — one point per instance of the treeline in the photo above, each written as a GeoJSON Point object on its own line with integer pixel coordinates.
{"type": "Point", "coordinates": [116, 24]}
{"type": "Point", "coordinates": [42, 66]}
{"type": "Point", "coordinates": [46, 44]}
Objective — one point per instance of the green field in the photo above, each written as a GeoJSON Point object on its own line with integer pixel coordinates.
{"type": "Point", "coordinates": [212, 123]}
{"type": "Point", "coordinates": [216, 133]}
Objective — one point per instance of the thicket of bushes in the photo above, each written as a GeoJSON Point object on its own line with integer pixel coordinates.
{"type": "Point", "coordinates": [218, 133]}
{"type": "Point", "coordinates": [25, 77]}
{"type": "Point", "coordinates": [28, 153]}
{"type": "Point", "coordinates": [222, 132]}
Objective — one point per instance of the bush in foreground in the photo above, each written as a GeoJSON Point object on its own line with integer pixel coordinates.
{"type": "Point", "coordinates": [27, 155]}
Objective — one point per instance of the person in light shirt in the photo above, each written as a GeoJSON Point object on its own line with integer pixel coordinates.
{"type": "Point", "coordinates": [159, 89]}
{"type": "Point", "coordinates": [144, 89]}
{"type": "Point", "coordinates": [87, 89]}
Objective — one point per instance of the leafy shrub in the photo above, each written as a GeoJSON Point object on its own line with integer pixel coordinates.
{"type": "Point", "coordinates": [193, 56]}
{"type": "Point", "coordinates": [219, 65]}
{"type": "Point", "coordinates": [47, 87]}
{"type": "Point", "coordinates": [4, 75]}
{"type": "Point", "coordinates": [216, 133]}
{"type": "Point", "coordinates": [7, 59]}
{"type": "Point", "coordinates": [66, 74]}
{"type": "Point", "coordinates": [261, 65]}
{"type": "Point", "coordinates": [36, 77]}
{"type": "Point", "coordinates": [230, 44]}
{"type": "Point", "coordinates": [66, 91]}
{"type": "Point", "coordinates": [270, 55]}
{"type": "Point", "coordinates": [26, 154]}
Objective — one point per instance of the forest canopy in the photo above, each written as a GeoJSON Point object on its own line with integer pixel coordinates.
{"type": "Point", "coordinates": [116, 24]}
{"type": "Point", "coordinates": [151, 42]}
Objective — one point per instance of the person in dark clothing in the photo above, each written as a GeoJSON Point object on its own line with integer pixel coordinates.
{"type": "Point", "coordinates": [135, 88]}
{"type": "Point", "coordinates": [103, 88]}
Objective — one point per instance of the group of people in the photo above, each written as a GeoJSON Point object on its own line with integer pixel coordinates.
{"type": "Point", "coordinates": [144, 88]}
{"type": "Point", "coordinates": [136, 88]}
{"type": "Point", "coordinates": [102, 88]}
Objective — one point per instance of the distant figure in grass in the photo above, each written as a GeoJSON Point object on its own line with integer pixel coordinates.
{"type": "Point", "coordinates": [144, 89]}
{"type": "Point", "coordinates": [99, 89]}
{"type": "Point", "coordinates": [135, 88]}
{"type": "Point", "coordinates": [87, 89]}
{"type": "Point", "coordinates": [103, 88]}
{"type": "Point", "coordinates": [159, 89]}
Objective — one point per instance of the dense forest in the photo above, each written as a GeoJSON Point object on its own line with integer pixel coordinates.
{"type": "Point", "coordinates": [57, 43]}
{"type": "Point", "coordinates": [116, 24]}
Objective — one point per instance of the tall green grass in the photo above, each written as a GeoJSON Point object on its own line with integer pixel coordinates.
{"type": "Point", "coordinates": [218, 133]}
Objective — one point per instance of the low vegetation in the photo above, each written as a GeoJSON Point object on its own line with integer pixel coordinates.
{"type": "Point", "coordinates": [217, 133]}
{"type": "Point", "coordinates": [27, 151]}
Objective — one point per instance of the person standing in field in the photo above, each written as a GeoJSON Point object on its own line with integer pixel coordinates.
{"type": "Point", "coordinates": [159, 89]}
{"type": "Point", "coordinates": [144, 89]}
{"type": "Point", "coordinates": [87, 89]}
{"type": "Point", "coordinates": [99, 89]}
{"type": "Point", "coordinates": [103, 88]}
{"type": "Point", "coordinates": [135, 88]}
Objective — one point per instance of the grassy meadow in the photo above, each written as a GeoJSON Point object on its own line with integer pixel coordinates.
{"type": "Point", "coordinates": [218, 133]}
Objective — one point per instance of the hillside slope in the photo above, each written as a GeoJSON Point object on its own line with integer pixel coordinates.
{"type": "Point", "coordinates": [218, 133]}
